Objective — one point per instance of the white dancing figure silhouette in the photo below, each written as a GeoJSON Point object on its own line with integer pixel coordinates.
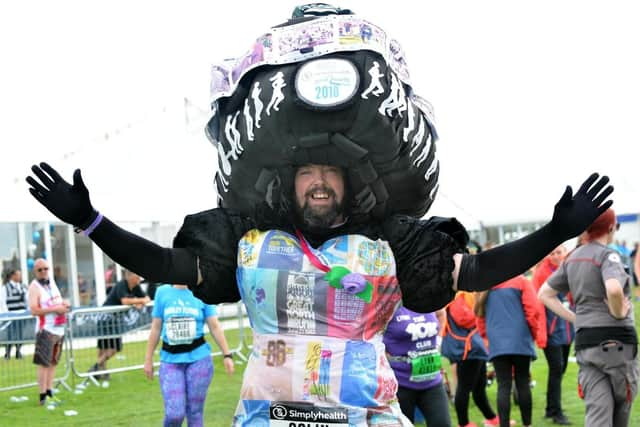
{"type": "Point", "coordinates": [257, 103]}
{"type": "Point", "coordinates": [277, 83]}
{"type": "Point", "coordinates": [396, 99]}
{"type": "Point", "coordinates": [248, 120]}
{"type": "Point", "coordinates": [233, 136]}
{"type": "Point", "coordinates": [375, 87]}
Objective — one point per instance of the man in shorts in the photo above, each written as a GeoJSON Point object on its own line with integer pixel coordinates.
{"type": "Point", "coordinates": [47, 304]}
{"type": "Point", "coordinates": [125, 292]}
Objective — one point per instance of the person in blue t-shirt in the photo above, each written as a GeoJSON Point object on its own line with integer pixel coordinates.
{"type": "Point", "coordinates": [186, 369]}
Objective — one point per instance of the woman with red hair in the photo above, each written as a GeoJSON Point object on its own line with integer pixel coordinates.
{"type": "Point", "coordinates": [606, 340]}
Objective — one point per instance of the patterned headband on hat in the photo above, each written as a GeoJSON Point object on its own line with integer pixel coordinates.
{"type": "Point", "coordinates": [307, 40]}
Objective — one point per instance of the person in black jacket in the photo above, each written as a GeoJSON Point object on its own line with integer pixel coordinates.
{"type": "Point", "coordinates": [13, 297]}
{"type": "Point", "coordinates": [125, 292]}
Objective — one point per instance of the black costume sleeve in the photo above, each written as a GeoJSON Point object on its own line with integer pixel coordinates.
{"type": "Point", "coordinates": [494, 266]}
{"type": "Point", "coordinates": [424, 259]}
{"type": "Point", "coordinates": [213, 237]}
{"type": "Point", "coordinates": [144, 257]}
{"type": "Point", "coordinates": [571, 216]}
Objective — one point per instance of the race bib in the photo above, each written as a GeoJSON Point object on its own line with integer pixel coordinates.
{"type": "Point", "coordinates": [180, 330]}
{"type": "Point", "coordinates": [285, 414]}
{"type": "Point", "coordinates": [425, 366]}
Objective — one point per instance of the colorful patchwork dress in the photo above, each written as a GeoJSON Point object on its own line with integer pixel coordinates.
{"type": "Point", "coordinates": [318, 355]}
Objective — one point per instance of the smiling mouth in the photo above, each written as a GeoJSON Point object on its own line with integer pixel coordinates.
{"type": "Point", "coordinates": [319, 195]}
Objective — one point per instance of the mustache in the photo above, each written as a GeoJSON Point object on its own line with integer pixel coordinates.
{"type": "Point", "coordinates": [322, 188]}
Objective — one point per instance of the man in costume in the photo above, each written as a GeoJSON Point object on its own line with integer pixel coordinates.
{"type": "Point", "coordinates": [317, 230]}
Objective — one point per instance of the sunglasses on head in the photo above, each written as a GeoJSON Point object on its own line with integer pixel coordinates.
{"type": "Point", "coordinates": [41, 269]}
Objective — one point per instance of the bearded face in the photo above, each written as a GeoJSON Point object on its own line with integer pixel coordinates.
{"type": "Point", "coordinates": [320, 193]}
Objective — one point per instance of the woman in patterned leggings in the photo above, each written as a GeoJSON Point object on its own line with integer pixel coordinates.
{"type": "Point", "coordinates": [186, 369]}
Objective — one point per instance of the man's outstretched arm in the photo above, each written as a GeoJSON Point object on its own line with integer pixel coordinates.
{"type": "Point", "coordinates": [571, 216]}
{"type": "Point", "coordinates": [71, 204]}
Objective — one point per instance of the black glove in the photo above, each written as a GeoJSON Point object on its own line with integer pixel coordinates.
{"type": "Point", "coordinates": [70, 203]}
{"type": "Point", "coordinates": [573, 214]}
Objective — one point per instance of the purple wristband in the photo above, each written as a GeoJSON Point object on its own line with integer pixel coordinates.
{"type": "Point", "coordinates": [93, 225]}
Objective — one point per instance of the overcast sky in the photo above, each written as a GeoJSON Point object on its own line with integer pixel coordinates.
{"type": "Point", "coordinates": [529, 96]}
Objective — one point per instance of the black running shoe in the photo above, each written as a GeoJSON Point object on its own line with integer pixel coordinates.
{"type": "Point", "coordinates": [561, 420]}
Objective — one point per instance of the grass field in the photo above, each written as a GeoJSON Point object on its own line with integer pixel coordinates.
{"type": "Point", "coordinates": [132, 400]}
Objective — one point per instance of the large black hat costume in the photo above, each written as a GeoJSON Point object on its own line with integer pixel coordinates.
{"type": "Point", "coordinates": [325, 87]}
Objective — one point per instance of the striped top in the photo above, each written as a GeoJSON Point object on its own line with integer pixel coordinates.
{"type": "Point", "coordinates": [15, 296]}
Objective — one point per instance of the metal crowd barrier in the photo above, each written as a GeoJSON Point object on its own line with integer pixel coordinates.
{"type": "Point", "coordinates": [20, 328]}
{"type": "Point", "coordinates": [85, 327]}
{"type": "Point", "coordinates": [123, 326]}
{"type": "Point", "coordinates": [227, 310]}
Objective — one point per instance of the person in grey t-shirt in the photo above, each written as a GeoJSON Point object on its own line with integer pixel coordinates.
{"type": "Point", "coordinates": [606, 340]}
